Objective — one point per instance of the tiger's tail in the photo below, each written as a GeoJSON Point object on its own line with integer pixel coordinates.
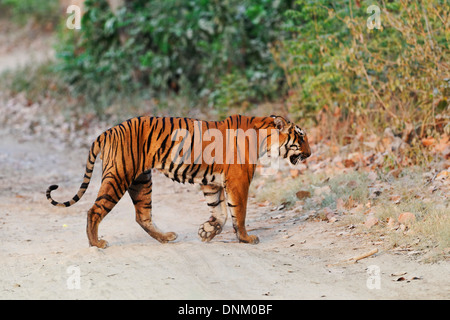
{"type": "Point", "coordinates": [94, 151]}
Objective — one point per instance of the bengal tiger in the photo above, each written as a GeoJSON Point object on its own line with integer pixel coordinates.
{"type": "Point", "coordinates": [131, 150]}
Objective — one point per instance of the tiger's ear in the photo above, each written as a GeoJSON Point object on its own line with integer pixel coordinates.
{"type": "Point", "coordinates": [281, 124]}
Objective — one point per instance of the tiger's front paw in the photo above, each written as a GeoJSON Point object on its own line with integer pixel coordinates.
{"type": "Point", "coordinates": [252, 239]}
{"type": "Point", "coordinates": [101, 244]}
{"type": "Point", "coordinates": [209, 230]}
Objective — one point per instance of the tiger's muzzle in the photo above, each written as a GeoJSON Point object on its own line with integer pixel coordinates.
{"type": "Point", "coordinates": [297, 158]}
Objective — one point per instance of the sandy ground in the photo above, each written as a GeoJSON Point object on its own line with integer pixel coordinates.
{"type": "Point", "coordinates": [44, 251]}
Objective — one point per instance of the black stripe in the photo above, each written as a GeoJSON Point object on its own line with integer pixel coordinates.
{"type": "Point", "coordinates": [166, 155]}
{"type": "Point", "coordinates": [107, 210]}
{"type": "Point", "coordinates": [162, 128]}
{"type": "Point", "coordinates": [147, 206]}
{"type": "Point", "coordinates": [215, 204]}
{"type": "Point", "coordinates": [106, 197]}
{"type": "Point", "coordinates": [141, 182]}
{"type": "Point", "coordinates": [211, 193]}
{"type": "Point", "coordinates": [194, 174]}
{"type": "Point", "coordinates": [149, 192]}
{"type": "Point", "coordinates": [115, 190]}
{"type": "Point", "coordinates": [149, 138]}
{"type": "Point", "coordinates": [184, 173]}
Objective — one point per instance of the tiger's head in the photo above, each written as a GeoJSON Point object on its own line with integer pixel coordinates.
{"type": "Point", "coordinates": [293, 141]}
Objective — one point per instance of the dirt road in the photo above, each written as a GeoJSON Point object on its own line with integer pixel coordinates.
{"type": "Point", "coordinates": [45, 254]}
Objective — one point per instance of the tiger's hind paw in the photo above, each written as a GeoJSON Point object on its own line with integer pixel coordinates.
{"type": "Point", "coordinates": [168, 236]}
{"type": "Point", "coordinates": [209, 230]}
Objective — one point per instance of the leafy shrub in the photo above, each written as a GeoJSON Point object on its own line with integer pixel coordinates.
{"type": "Point", "coordinates": [148, 45]}
{"type": "Point", "coordinates": [397, 76]}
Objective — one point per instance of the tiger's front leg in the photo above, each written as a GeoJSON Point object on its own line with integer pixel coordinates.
{"type": "Point", "coordinates": [237, 194]}
{"type": "Point", "coordinates": [215, 198]}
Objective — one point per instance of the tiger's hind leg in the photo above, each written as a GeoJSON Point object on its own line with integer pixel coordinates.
{"type": "Point", "coordinates": [141, 194]}
{"type": "Point", "coordinates": [109, 194]}
{"type": "Point", "coordinates": [215, 198]}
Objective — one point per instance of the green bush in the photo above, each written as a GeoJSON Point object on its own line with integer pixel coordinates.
{"type": "Point", "coordinates": [147, 45]}
{"type": "Point", "coordinates": [396, 76]}
{"type": "Point", "coordinates": [42, 12]}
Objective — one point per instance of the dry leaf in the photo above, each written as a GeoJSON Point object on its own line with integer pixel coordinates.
{"type": "Point", "coordinates": [400, 279]}
{"type": "Point", "coordinates": [357, 209]}
{"type": "Point", "coordinates": [395, 173]}
{"type": "Point", "coordinates": [350, 203]}
{"type": "Point", "coordinates": [294, 173]}
{"type": "Point", "coordinates": [395, 198]}
{"type": "Point", "coordinates": [406, 218]}
{"type": "Point", "coordinates": [340, 205]}
{"type": "Point", "coordinates": [398, 274]}
{"type": "Point", "coordinates": [407, 279]}
{"type": "Point", "coordinates": [392, 224]}
{"type": "Point", "coordinates": [329, 215]}
{"type": "Point", "coordinates": [442, 145]}
{"type": "Point", "coordinates": [264, 204]}
{"type": "Point", "coordinates": [442, 175]}
{"type": "Point", "coordinates": [349, 163]}
{"type": "Point", "coordinates": [303, 194]}
{"type": "Point", "coordinates": [428, 141]}
{"type": "Point", "coordinates": [370, 222]}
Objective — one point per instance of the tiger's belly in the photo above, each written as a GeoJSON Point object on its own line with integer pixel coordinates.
{"type": "Point", "coordinates": [193, 174]}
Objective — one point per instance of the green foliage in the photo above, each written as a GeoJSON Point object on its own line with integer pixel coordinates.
{"type": "Point", "coordinates": [396, 76]}
{"type": "Point", "coordinates": [41, 11]}
{"type": "Point", "coordinates": [199, 44]}
{"type": "Point", "coordinates": [233, 90]}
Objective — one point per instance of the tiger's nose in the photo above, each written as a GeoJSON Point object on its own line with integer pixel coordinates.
{"type": "Point", "coordinates": [305, 155]}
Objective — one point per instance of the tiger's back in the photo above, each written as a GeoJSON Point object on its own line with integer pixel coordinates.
{"type": "Point", "coordinates": [140, 144]}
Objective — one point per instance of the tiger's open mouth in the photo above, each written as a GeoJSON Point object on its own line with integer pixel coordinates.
{"type": "Point", "coordinates": [295, 158]}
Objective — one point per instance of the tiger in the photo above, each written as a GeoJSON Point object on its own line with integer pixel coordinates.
{"type": "Point", "coordinates": [133, 148]}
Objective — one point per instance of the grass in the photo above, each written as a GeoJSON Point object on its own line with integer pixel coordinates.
{"type": "Point", "coordinates": [430, 205]}
{"type": "Point", "coordinates": [360, 194]}
{"type": "Point", "coordinates": [324, 190]}
{"type": "Point", "coordinates": [36, 81]}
